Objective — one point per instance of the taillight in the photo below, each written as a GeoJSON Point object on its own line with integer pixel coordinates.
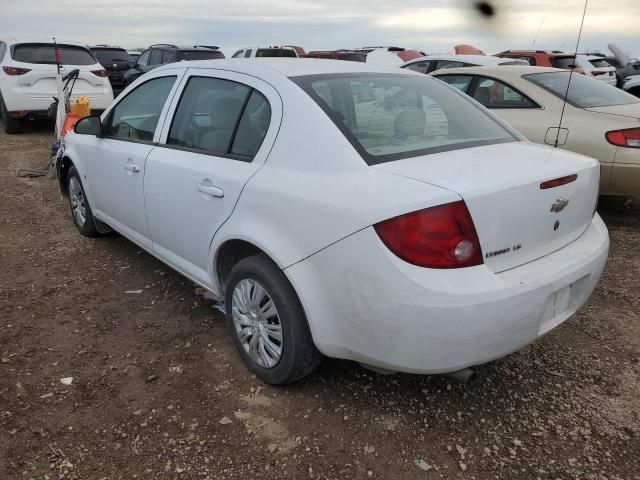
{"type": "Point", "coordinates": [556, 182]}
{"type": "Point", "coordinates": [15, 71]}
{"type": "Point", "coordinates": [100, 73]}
{"type": "Point", "coordinates": [624, 138]}
{"type": "Point", "coordinates": [437, 237]}
{"type": "Point", "coordinates": [597, 73]}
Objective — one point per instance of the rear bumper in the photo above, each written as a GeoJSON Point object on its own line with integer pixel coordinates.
{"type": "Point", "coordinates": [16, 101]}
{"type": "Point", "coordinates": [625, 173]}
{"type": "Point", "coordinates": [365, 304]}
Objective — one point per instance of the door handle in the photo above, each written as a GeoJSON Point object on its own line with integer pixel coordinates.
{"type": "Point", "coordinates": [131, 167]}
{"type": "Point", "coordinates": [210, 190]}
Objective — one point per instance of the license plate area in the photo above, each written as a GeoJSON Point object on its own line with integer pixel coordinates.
{"type": "Point", "coordinates": [562, 303]}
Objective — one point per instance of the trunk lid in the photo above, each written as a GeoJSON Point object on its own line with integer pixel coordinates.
{"type": "Point", "coordinates": [631, 110]}
{"type": "Point", "coordinates": [40, 81]}
{"type": "Point", "coordinates": [500, 184]}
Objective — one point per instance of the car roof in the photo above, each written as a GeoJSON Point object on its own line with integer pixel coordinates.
{"type": "Point", "coordinates": [17, 41]}
{"type": "Point", "coordinates": [514, 71]}
{"type": "Point", "coordinates": [288, 67]}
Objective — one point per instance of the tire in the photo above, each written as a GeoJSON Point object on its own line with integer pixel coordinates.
{"type": "Point", "coordinates": [11, 125]}
{"type": "Point", "coordinates": [298, 355]}
{"type": "Point", "coordinates": [79, 205]}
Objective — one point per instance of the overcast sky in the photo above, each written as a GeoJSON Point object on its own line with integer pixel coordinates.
{"type": "Point", "coordinates": [430, 25]}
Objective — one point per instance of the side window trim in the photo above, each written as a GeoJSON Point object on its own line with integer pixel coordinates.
{"type": "Point", "coordinates": [109, 117]}
{"type": "Point", "coordinates": [479, 78]}
{"type": "Point", "coordinates": [235, 129]}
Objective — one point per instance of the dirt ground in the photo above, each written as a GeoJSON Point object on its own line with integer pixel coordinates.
{"type": "Point", "coordinates": [158, 391]}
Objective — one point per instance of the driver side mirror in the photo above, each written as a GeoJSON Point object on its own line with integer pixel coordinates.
{"type": "Point", "coordinates": [89, 126]}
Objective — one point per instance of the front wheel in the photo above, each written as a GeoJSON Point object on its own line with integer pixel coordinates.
{"type": "Point", "coordinates": [268, 323]}
{"type": "Point", "coordinates": [80, 208]}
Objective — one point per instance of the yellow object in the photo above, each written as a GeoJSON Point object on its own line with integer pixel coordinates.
{"type": "Point", "coordinates": [81, 108]}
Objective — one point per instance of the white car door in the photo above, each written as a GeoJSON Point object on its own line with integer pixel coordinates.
{"type": "Point", "coordinates": [116, 162]}
{"type": "Point", "coordinates": [221, 131]}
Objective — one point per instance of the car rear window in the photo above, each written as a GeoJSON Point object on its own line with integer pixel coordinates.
{"type": "Point", "coordinates": [388, 117]}
{"type": "Point", "coordinates": [583, 92]}
{"type": "Point", "coordinates": [199, 55]}
{"type": "Point", "coordinates": [563, 62]}
{"type": "Point", "coordinates": [42, 53]}
{"type": "Point", "coordinates": [599, 63]}
{"type": "Point", "coordinates": [111, 55]}
{"type": "Point", "coordinates": [275, 52]}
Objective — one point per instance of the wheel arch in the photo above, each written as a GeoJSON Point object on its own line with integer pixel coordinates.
{"type": "Point", "coordinates": [64, 166]}
{"type": "Point", "coordinates": [228, 254]}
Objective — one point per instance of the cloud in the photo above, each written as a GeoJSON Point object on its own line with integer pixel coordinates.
{"type": "Point", "coordinates": [431, 25]}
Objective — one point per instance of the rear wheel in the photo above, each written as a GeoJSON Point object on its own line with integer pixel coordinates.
{"type": "Point", "coordinates": [11, 125]}
{"type": "Point", "coordinates": [268, 323]}
{"type": "Point", "coordinates": [80, 209]}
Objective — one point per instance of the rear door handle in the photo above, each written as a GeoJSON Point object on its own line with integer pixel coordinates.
{"type": "Point", "coordinates": [211, 190]}
{"type": "Point", "coordinates": [131, 167]}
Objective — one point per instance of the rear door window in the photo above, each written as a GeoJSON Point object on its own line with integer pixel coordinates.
{"type": "Point", "coordinates": [493, 93]}
{"type": "Point", "coordinates": [448, 64]}
{"type": "Point", "coordinates": [156, 57]}
{"type": "Point", "coordinates": [253, 126]}
{"type": "Point", "coordinates": [168, 56]}
{"type": "Point", "coordinates": [207, 115]}
{"type": "Point", "coordinates": [136, 116]}
{"type": "Point", "coordinates": [247, 54]}
{"type": "Point", "coordinates": [43, 53]}
{"type": "Point", "coordinates": [461, 82]}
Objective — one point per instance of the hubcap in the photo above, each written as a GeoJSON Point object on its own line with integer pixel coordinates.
{"type": "Point", "coordinates": [76, 198]}
{"type": "Point", "coordinates": [257, 323]}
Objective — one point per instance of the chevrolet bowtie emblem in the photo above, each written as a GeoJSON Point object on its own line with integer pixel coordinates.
{"type": "Point", "coordinates": [559, 205]}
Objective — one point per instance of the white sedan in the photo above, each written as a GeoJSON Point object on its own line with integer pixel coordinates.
{"type": "Point", "coordinates": [600, 120]}
{"type": "Point", "coordinates": [343, 209]}
{"type": "Point", "coordinates": [431, 63]}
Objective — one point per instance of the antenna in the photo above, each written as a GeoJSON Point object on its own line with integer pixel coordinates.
{"type": "Point", "coordinates": [566, 94]}
{"type": "Point", "coordinates": [535, 39]}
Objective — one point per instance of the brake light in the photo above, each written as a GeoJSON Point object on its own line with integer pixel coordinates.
{"type": "Point", "coordinates": [438, 237]}
{"type": "Point", "coordinates": [100, 73]}
{"type": "Point", "coordinates": [15, 71]}
{"type": "Point", "coordinates": [596, 73]}
{"type": "Point", "coordinates": [624, 138]}
{"type": "Point", "coordinates": [556, 182]}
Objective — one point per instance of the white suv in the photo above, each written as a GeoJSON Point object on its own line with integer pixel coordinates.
{"type": "Point", "coordinates": [28, 79]}
{"type": "Point", "coordinates": [597, 67]}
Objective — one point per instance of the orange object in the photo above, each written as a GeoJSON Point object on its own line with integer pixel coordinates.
{"type": "Point", "coordinates": [81, 107]}
{"type": "Point", "coordinates": [70, 122]}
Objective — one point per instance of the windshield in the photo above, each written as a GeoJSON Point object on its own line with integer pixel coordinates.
{"type": "Point", "coordinates": [275, 52]}
{"type": "Point", "coordinates": [199, 55]}
{"type": "Point", "coordinates": [108, 56]}
{"type": "Point", "coordinates": [387, 117]}
{"type": "Point", "coordinates": [42, 53]}
{"type": "Point", "coordinates": [584, 92]}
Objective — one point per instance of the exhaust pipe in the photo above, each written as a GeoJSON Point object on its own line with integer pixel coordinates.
{"type": "Point", "coordinates": [464, 376]}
